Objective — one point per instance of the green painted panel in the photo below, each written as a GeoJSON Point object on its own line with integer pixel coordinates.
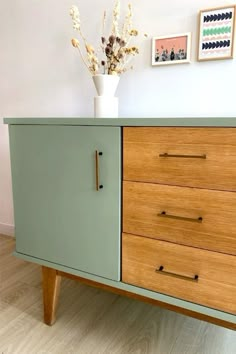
{"type": "Point", "coordinates": [59, 215]}
{"type": "Point", "coordinates": [122, 122]}
{"type": "Point", "coordinates": [136, 290]}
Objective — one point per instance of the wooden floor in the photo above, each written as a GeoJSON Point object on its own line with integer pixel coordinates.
{"type": "Point", "coordinates": [93, 321]}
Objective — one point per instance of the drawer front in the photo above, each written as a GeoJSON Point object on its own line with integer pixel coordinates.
{"type": "Point", "coordinates": [200, 276]}
{"type": "Point", "coordinates": [172, 213]}
{"type": "Point", "coordinates": [196, 157]}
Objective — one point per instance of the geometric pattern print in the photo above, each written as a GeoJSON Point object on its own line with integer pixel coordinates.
{"type": "Point", "coordinates": [218, 17]}
{"type": "Point", "coordinates": [216, 45]}
{"type": "Point", "coordinates": [216, 31]}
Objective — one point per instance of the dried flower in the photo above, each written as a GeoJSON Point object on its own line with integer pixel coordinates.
{"type": "Point", "coordinates": [133, 32]}
{"type": "Point", "coordinates": [116, 16]}
{"type": "Point", "coordinates": [112, 39]}
{"type": "Point", "coordinates": [74, 13]}
{"type": "Point", "coordinates": [89, 49]}
{"type": "Point", "coordinates": [75, 42]}
{"type": "Point", "coordinates": [117, 49]}
{"type": "Point", "coordinates": [108, 50]}
{"type": "Point", "coordinates": [135, 50]}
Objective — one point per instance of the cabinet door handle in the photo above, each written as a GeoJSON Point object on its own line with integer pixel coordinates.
{"type": "Point", "coordinates": [163, 214]}
{"type": "Point", "coordinates": [183, 156]}
{"type": "Point", "coordinates": [97, 154]}
{"type": "Point", "coordinates": [161, 270]}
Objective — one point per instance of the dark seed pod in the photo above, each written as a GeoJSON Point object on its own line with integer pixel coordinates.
{"type": "Point", "coordinates": [122, 43]}
{"type": "Point", "coordinates": [108, 50]}
{"type": "Point", "coordinates": [112, 39]}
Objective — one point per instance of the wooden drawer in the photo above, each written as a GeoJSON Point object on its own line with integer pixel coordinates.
{"type": "Point", "coordinates": [216, 272]}
{"type": "Point", "coordinates": [144, 203]}
{"type": "Point", "coordinates": [144, 161]}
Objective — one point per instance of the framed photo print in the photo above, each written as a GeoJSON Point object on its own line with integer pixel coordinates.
{"type": "Point", "coordinates": [216, 33]}
{"type": "Point", "coordinates": [173, 49]}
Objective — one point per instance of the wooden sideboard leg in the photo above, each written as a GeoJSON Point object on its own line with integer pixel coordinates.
{"type": "Point", "coordinates": [51, 290]}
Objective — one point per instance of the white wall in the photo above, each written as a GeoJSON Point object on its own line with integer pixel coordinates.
{"type": "Point", "coordinates": [42, 75]}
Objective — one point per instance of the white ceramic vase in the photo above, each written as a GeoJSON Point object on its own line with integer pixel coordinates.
{"type": "Point", "coordinates": [105, 103]}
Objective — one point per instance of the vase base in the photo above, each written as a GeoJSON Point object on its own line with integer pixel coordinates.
{"type": "Point", "coordinates": [105, 107]}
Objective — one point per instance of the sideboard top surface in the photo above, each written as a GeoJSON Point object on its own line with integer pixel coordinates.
{"type": "Point", "coordinates": [122, 122]}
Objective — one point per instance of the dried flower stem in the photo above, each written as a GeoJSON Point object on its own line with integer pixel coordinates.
{"type": "Point", "coordinates": [115, 22]}
{"type": "Point", "coordinates": [127, 23]}
{"type": "Point", "coordinates": [104, 22]}
{"type": "Point", "coordinates": [84, 61]}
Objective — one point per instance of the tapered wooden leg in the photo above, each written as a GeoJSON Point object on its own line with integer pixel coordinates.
{"type": "Point", "coordinates": [51, 290]}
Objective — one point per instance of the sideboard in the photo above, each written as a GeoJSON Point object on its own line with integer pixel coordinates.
{"type": "Point", "coordinates": [141, 207]}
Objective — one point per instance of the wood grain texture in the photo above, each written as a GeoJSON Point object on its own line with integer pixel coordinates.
{"type": "Point", "coordinates": [142, 162]}
{"type": "Point", "coordinates": [51, 289]}
{"type": "Point", "coordinates": [142, 202]}
{"type": "Point", "coordinates": [93, 321]}
{"type": "Point", "coordinates": [150, 301]}
{"type": "Point", "coordinates": [216, 286]}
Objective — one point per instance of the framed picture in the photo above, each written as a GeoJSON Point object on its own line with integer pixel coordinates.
{"type": "Point", "coordinates": [173, 49]}
{"type": "Point", "coordinates": [216, 33]}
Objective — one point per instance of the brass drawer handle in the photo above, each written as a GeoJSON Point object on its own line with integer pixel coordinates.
{"type": "Point", "coordinates": [175, 275]}
{"type": "Point", "coordinates": [183, 156]}
{"type": "Point", "coordinates": [163, 214]}
{"type": "Point", "coordinates": [97, 154]}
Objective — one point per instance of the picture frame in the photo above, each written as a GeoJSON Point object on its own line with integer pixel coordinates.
{"type": "Point", "coordinates": [216, 33]}
{"type": "Point", "coordinates": [171, 49]}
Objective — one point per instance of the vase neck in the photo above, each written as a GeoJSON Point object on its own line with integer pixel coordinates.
{"type": "Point", "coordinates": [106, 85]}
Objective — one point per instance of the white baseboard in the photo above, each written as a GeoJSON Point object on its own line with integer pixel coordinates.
{"type": "Point", "coordinates": [6, 229]}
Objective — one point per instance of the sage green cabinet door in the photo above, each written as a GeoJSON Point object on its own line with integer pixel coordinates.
{"type": "Point", "coordinates": [59, 215]}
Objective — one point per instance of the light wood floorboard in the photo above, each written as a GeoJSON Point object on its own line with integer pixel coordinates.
{"type": "Point", "coordinates": [92, 321]}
